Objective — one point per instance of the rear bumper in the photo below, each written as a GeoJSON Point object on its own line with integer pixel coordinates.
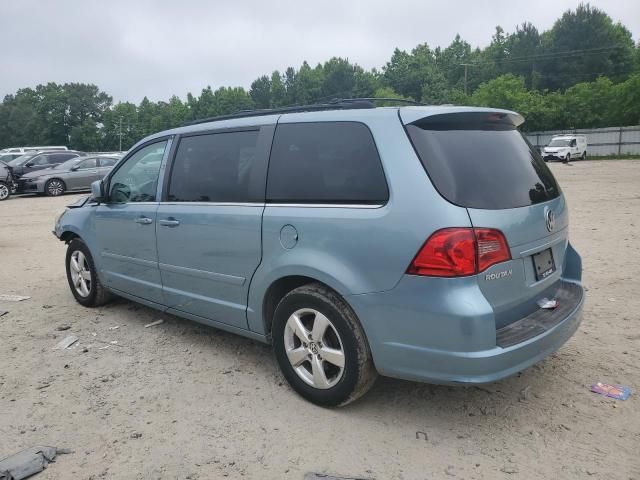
{"type": "Point", "coordinates": [448, 335]}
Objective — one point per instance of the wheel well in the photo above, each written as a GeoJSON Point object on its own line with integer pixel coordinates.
{"type": "Point", "coordinates": [276, 292]}
{"type": "Point", "coordinates": [67, 236]}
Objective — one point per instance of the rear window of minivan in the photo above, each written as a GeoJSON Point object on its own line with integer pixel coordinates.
{"type": "Point", "coordinates": [482, 164]}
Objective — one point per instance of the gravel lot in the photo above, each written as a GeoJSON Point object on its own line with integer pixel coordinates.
{"type": "Point", "coordinates": [180, 400]}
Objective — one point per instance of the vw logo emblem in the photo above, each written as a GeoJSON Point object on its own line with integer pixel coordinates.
{"type": "Point", "coordinates": [549, 219]}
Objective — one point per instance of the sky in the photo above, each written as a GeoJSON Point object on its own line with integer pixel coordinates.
{"type": "Point", "coordinates": [158, 48]}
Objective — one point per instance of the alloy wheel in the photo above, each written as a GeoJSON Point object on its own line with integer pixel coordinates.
{"type": "Point", "coordinates": [80, 273]}
{"type": "Point", "coordinates": [314, 348]}
{"type": "Point", "coordinates": [55, 188]}
{"type": "Point", "coordinates": [4, 191]}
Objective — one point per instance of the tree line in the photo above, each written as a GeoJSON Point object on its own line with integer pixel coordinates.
{"type": "Point", "coordinates": [583, 72]}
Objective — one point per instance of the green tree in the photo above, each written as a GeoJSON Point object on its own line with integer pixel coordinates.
{"type": "Point", "coordinates": [260, 92]}
{"type": "Point", "coordinates": [585, 44]}
{"type": "Point", "coordinates": [278, 90]}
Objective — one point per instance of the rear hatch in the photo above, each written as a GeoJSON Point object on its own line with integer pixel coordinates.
{"type": "Point", "coordinates": [480, 161]}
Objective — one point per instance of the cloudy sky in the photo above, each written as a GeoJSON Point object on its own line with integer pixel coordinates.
{"type": "Point", "coordinates": [158, 48]}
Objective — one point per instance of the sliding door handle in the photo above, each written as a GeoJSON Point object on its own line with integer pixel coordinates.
{"type": "Point", "coordinates": [144, 220]}
{"type": "Point", "coordinates": [169, 222]}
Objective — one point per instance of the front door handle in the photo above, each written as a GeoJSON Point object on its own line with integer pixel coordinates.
{"type": "Point", "coordinates": [144, 220]}
{"type": "Point", "coordinates": [169, 222]}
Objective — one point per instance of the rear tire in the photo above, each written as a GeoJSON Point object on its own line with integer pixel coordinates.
{"type": "Point", "coordinates": [83, 277]}
{"type": "Point", "coordinates": [54, 187]}
{"type": "Point", "coordinates": [321, 348]}
{"type": "Point", "coordinates": [5, 191]}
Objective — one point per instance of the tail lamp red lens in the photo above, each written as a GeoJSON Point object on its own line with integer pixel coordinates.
{"type": "Point", "coordinates": [456, 252]}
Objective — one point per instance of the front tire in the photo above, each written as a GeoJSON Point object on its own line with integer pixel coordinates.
{"type": "Point", "coordinates": [584, 155]}
{"type": "Point", "coordinates": [83, 277]}
{"type": "Point", "coordinates": [54, 187]}
{"type": "Point", "coordinates": [321, 347]}
{"type": "Point", "coordinates": [5, 191]}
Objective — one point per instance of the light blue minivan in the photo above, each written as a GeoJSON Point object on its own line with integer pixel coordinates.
{"type": "Point", "coordinates": [423, 243]}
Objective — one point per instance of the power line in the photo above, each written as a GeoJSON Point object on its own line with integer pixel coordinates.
{"type": "Point", "coordinates": [550, 55]}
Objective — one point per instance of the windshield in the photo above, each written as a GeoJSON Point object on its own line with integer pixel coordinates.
{"type": "Point", "coordinates": [559, 142]}
{"type": "Point", "coordinates": [483, 165]}
{"type": "Point", "coordinates": [21, 160]}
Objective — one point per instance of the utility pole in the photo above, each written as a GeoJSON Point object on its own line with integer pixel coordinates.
{"type": "Point", "coordinates": [466, 75]}
{"type": "Point", "coordinates": [120, 132]}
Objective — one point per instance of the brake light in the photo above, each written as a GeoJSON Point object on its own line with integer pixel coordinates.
{"type": "Point", "coordinates": [456, 252]}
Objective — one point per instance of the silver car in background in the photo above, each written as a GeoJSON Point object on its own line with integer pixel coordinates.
{"type": "Point", "coordinates": [72, 175]}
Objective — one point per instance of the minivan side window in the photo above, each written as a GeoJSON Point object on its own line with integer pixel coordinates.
{"type": "Point", "coordinates": [213, 167]}
{"type": "Point", "coordinates": [325, 162]}
{"type": "Point", "coordinates": [137, 179]}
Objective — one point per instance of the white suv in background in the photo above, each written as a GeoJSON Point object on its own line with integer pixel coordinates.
{"type": "Point", "coordinates": [565, 147]}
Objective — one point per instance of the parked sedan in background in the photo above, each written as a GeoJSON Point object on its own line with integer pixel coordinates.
{"type": "Point", "coordinates": [32, 162]}
{"type": "Point", "coordinates": [72, 175]}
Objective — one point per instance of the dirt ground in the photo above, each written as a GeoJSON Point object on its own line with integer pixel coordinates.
{"type": "Point", "coordinates": [179, 400]}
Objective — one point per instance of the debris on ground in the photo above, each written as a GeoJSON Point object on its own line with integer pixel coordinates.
{"type": "Point", "coordinates": [62, 328]}
{"type": "Point", "coordinates": [12, 298]}
{"type": "Point", "coordinates": [28, 462]}
{"type": "Point", "coordinates": [620, 392]}
{"type": "Point", "coordinates": [66, 342]}
{"type": "Point", "coordinates": [547, 304]}
{"type": "Point", "coordinates": [322, 476]}
{"type": "Point", "coordinates": [524, 394]}
{"type": "Point", "coordinates": [3, 312]}
{"type": "Point", "coordinates": [115, 327]}
{"type": "Point", "coordinates": [153, 324]}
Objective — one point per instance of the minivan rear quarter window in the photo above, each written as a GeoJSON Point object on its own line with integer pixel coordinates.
{"type": "Point", "coordinates": [214, 167]}
{"type": "Point", "coordinates": [482, 164]}
{"type": "Point", "coordinates": [325, 162]}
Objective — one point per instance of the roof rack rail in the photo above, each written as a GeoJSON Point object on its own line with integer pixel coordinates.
{"type": "Point", "coordinates": [335, 104]}
{"type": "Point", "coordinates": [379, 99]}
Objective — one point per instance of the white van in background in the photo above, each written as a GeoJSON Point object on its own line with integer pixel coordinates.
{"type": "Point", "coordinates": [565, 148]}
{"type": "Point", "coordinates": [24, 150]}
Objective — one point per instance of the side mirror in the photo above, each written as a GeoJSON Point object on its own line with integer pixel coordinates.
{"type": "Point", "coordinates": [74, 168]}
{"type": "Point", "coordinates": [97, 191]}
{"type": "Point", "coordinates": [28, 164]}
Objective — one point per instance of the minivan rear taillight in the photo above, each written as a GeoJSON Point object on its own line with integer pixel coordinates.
{"type": "Point", "coordinates": [456, 252]}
